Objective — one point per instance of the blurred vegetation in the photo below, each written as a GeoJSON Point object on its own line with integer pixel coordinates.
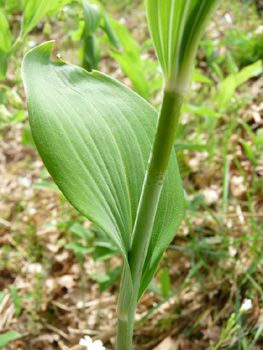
{"type": "Point", "coordinates": [53, 263]}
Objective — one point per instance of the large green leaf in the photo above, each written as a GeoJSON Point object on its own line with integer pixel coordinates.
{"type": "Point", "coordinates": [5, 45]}
{"type": "Point", "coordinates": [94, 136]}
{"type": "Point", "coordinates": [33, 12]}
{"type": "Point", "coordinates": [176, 28]}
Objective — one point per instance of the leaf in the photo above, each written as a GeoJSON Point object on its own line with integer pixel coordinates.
{"type": "Point", "coordinates": [128, 44]}
{"type": "Point", "coordinates": [130, 60]}
{"type": "Point", "coordinates": [233, 81]}
{"type": "Point", "coordinates": [6, 337]}
{"type": "Point", "coordinates": [79, 248]}
{"type": "Point", "coordinates": [104, 242]}
{"type": "Point", "coordinates": [133, 71]}
{"type": "Point", "coordinates": [5, 45]}
{"type": "Point", "coordinates": [249, 151]}
{"type": "Point", "coordinates": [80, 231]}
{"type": "Point", "coordinates": [106, 281]}
{"type": "Point", "coordinates": [94, 136]}
{"type": "Point", "coordinates": [16, 299]}
{"type": "Point", "coordinates": [107, 27]}
{"type": "Point", "coordinates": [90, 53]}
{"type": "Point", "coordinates": [199, 110]}
{"type": "Point", "coordinates": [92, 16]}
{"type": "Point", "coordinates": [44, 184]}
{"type": "Point", "coordinates": [102, 253]}
{"type": "Point", "coordinates": [33, 12]}
{"type": "Point", "coordinates": [91, 49]}
{"type": "Point", "coordinates": [191, 147]}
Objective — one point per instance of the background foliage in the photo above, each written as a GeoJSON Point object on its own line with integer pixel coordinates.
{"type": "Point", "coordinates": [58, 272]}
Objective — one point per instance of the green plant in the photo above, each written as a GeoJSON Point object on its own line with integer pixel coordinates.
{"type": "Point", "coordinates": [6, 337]}
{"type": "Point", "coordinates": [100, 143]}
{"type": "Point", "coordinates": [95, 17]}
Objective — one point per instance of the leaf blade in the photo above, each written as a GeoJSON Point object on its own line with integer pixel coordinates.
{"type": "Point", "coordinates": [94, 136]}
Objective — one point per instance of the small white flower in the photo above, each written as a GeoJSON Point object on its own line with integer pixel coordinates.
{"type": "Point", "coordinates": [247, 305]}
{"type": "Point", "coordinates": [90, 345]}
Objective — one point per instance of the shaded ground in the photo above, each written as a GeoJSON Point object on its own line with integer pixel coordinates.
{"type": "Point", "coordinates": [214, 262]}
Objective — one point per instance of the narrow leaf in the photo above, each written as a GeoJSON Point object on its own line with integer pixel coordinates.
{"type": "Point", "coordinates": [33, 12]}
{"type": "Point", "coordinates": [233, 81]}
{"type": "Point", "coordinates": [107, 27]}
{"type": "Point", "coordinates": [6, 337]}
{"type": "Point", "coordinates": [5, 45]}
{"type": "Point", "coordinates": [92, 16]}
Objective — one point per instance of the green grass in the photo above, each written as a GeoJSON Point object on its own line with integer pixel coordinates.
{"type": "Point", "coordinates": [214, 262]}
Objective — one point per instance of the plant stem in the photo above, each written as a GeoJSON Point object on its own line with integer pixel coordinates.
{"type": "Point", "coordinates": [162, 146]}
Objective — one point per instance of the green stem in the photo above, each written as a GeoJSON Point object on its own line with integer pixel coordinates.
{"type": "Point", "coordinates": [163, 143]}
{"type": "Point", "coordinates": [16, 44]}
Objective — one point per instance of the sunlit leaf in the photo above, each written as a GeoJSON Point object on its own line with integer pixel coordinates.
{"type": "Point", "coordinates": [6, 337]}
{"type": "Point", "coordinates": [5, 45]}
{"type": "Point", "coordinates": [94, 136]}
{"type": "Point", "coordinates": [92, 16]}
{"type": "Point", "coordinates": [233, 81]}
{"type": "Point", "coordinates": [33, 12]}
{"type": "Point", "coordinates": [107, 27]}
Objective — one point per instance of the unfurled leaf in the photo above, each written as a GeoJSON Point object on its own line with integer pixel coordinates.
{"type": "Point", "coordinates": [90, 53]}
{"type": "Point", "coordinates": [33, 12]}
{"type": "Point", "coordinates": [5, 45]}
{"type": "Point", "coordinates": [92, 16]}
{"type": "Point", "coordinates": [94, 136]}
{"type": "Point", "coordinates": [108, 29]}
{"type": "Point", "coordinates": [91, 49]}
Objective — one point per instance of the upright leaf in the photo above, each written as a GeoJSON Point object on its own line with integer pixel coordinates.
{"type": "Point", "coordinates": [92, 16]}
{"type": "Point", "coordinates": [130, 60]}
{"type": "Point", "coordinates": [91, 49]}
{"type": "Point", "coordinates": [33, 12]}
{"type": "Point", "coordinates": [94, 136]}
{"type": "Point", "coordinates": [108, 29]}
{"type": "Point", "coordinates": [5, 45]}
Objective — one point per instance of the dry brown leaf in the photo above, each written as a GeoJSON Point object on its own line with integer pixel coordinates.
{"type": "Point", "coordinates": [167, 344]}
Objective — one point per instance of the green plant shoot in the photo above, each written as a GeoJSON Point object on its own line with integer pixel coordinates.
{"type": "Point", "coordinates": [110, 152]}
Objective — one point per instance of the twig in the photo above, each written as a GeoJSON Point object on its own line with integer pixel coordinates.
{"type": "Point", "coordinates": [246, 214]}
{"type": "Point", "coordinates": [5, 223]}
{"type": "Point", "coordinates": [58, 331]}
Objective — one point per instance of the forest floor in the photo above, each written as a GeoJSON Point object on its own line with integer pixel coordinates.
{"type": "Point", "coordinates": [51, 292]}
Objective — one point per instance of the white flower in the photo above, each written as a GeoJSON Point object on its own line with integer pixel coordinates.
{"type": "Point", "coordinates": [90, 345]}
{"type": "Point", "coordinates": [247, 305]}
